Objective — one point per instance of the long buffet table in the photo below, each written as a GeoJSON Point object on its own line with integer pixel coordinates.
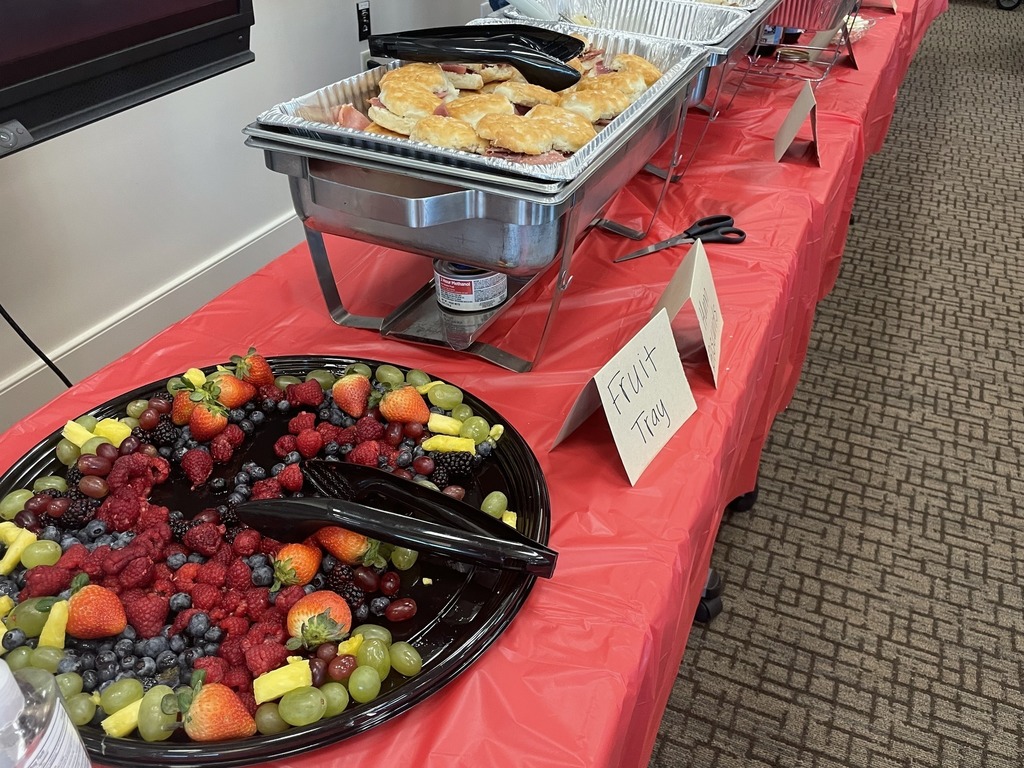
{"type": "Point", "coordinates": [582, 675]}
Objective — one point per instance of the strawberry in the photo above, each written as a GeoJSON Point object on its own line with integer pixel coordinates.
{"type": "Point", "coordinates": [254, 369]}
{"type": "Point", "coordinates": [290, 478]}
{"type": "Point", "coordinates": [198, 465]}
{"type": "Point", "coordinates": [145, 611]}
{"type": "Point", "coordinates": [296, 564]}
{"type": "Point", "coordinates": [246, 543]}
{"type": "Point", "coordinates": [217, 714]}
{"type": "Point", "coordinates": [404, 405]}
{"type": "Point", "coordinates": [307, 393]}
{"type": "Point", "coordinates": [284, 445]}
{"type": "Point", "coordinates": [45, 581]}
{"type": "Point", "coordinates": [302, 422]}
{"type": "Point", "coordinates": [268, 488]}
{"type": "Point", "coordinates": [351, 393]}
{"type": "Point", "coordinates": [319, 617]}
{"type": "Point", "coordinates": [95, 612]}
{"type": "Point", "coordinates": [365, 453]}
{"type": "Point", "coordinates": [265, 657]}
{"type": "Point", "coordinates": [204, 538]}
{"type": "Point", "coordinates": [368, 428]}
{"type": "Point", "coordinates": [185, 401]}
{"type": "Point", "coordinates": [207, 421]}
{"type": "Point", "coordinates": [347, 546]}
{"type": "Point", "coordinates": [230, 391]}
{"type": "Point", "coordinates": [308, 443]}
{"type": "Point", "coordinates": [221, 449]}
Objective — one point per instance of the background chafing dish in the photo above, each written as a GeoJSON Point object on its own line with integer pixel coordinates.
{"type": "Point", "coordinates": [486, 212]}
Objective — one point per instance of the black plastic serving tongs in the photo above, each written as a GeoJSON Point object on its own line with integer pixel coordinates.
{"type": "Point", "coordinates": [373, 503]}
{"type": "Point", "coordinates": [539, 54]}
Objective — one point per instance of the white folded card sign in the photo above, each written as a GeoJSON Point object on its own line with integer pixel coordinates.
{"type": "Point", "coordinates": [693, 282]}
{"type": "Point", "coordinates": [645, 395]}
{"type": "Point", "coordinates": [804, 105]}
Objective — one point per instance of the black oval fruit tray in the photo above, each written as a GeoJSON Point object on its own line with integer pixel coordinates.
{"type": "Point", "coordinates": [461, 611]}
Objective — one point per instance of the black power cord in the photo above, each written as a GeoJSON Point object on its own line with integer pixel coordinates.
{"type": "Point", "coordinates": [31, 344]}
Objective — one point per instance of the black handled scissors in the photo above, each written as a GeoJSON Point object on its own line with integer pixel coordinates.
{"type": "Point", "coordinates": [710, 229]}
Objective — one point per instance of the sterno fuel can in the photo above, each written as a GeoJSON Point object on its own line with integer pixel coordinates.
{"type": "Point", "coordinates": [461, 288]}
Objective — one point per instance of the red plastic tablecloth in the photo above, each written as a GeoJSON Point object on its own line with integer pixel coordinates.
{"type": "Point", "coordinates": [582, 675]}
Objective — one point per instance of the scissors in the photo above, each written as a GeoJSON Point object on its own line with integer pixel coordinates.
{"type": "Point", "coordinates": [710, 229]}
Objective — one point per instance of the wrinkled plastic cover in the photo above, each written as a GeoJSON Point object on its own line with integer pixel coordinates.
{"type": "Point", "coordinates": [582, 675]}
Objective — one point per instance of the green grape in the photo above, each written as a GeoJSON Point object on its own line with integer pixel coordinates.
{"type": "Point", "coordinates": [80, 708]}
{"type": "Point", "coordinates": [89, 422]}
{"type": "Point", "coordinates": [120, 694]}
{"type": "Point", "coordinates": [136, 407]}
{"type": "Point", "coordinates": [336, 696]}
{"type": "Point", "coordinates": [69, 683]}
{"type": "Point", "coordinates": [155, 724]}
{"type": "Point", "coordinates": [50, 482]}
{"type": "Point", "coordinates": [462, 412]}
{"type": "Point", "coordinates": [41, 552]}
{"type": "Point", "coordinates": [445, 396]}
{"type": "Point", "coordinates": [19, 658]}
{"type": "Point", "coordinates": [283, 381]}
{"type": "Point", "coordinates": [405, 659]}
{"type": "Point", "coordinates": [364, 684]}
{"type": "Point", "coordinates": [416, 377]}
{"type": "Point", "coordinates": [46, 657]}
{"type": "Point", "coordinates": [428, 484]}
{"type": "Point", "coordinates": [475, 427]}
{"type": "Point", "coordinates": [361, 368]}
{"type": "Point", "coordinates": [389, 374]}
{"type": "Point", "coordinates": [495, 503]}
{"type": "Point", "coordinates": [302, 706]}
{"type": "Point", "coordinates": [14, 502]}
{"type": "Point", "coordinates": [373, 632]}
{"type": "Point", "coordinates": [374, 653]}
{"type": "Point", "coordinates": [130, 422]}
{"type": "Point", "coordinates": [322, 375]}
{"type": "Point", "coordinates": [403, 559]}
{"type": "Point", "coordinates": [67, 452]}
{"type": "Point", "coordinates": [175, 384]}
{"type": "Point", "coordinates": [30, 615]}
{"type": "Point", "coordinates": [93, 443]}
{"type": "Point", "coordinates": [269, 720]}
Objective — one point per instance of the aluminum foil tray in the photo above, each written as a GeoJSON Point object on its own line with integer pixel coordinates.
{"type": "Point", "coordinates": [308, 116]}
{"type": "Point", "coordinates": [811, 15]}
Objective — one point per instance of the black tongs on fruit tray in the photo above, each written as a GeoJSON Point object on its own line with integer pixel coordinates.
{"type": "Point", "coordinates": [372, 502]}
{"type": "Point", "coordinates": [539, 54]}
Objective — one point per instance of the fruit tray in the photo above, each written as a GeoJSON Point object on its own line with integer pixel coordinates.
{"type": "Point", "coordinates": [462, 609]}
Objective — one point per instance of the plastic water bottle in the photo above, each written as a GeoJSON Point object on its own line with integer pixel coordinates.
{"type": "Point", "coordinates": [35, 731]}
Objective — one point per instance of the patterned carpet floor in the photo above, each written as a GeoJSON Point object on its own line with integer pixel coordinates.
{"type": "Point", "coordinates": [874, 604]}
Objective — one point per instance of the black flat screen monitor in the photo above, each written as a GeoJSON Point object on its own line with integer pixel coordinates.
{"type": "Point", "coordinates": [67, 63]}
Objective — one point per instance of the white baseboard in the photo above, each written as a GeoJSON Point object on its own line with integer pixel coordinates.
{"type": "Point", "coordinates": [27, 389]}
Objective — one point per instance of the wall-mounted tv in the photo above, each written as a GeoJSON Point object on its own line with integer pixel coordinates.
{"type": "Point", "coordinates": [67, 63]}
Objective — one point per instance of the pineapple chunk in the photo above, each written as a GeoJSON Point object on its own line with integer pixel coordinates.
{"type": "Point", "coordinates": [277, 682]}
{"type": "Point", "coordinates": [447, 443]}
{"type": "Point", "coordinates": [123, 722]}
{"type": "Point", "coordinates": [8, 532]}
{"type": "Point", "coordinates": [350, 646]}
{"type": "Point", "coordinates": [56, 623]}
{"type": "Point", "coordinates": [15, 550]}
{"type": "Point", "coordinates": [424, 388]}
{"type": "Point", "coordinates": [508, 517]}
{"type": "Point", "coordinates": [6, 605]}
{"type": "Point", "coordinates": [76, 433]}
{"type": "Point", "coordinates": [440, 424]}
{"type": "Point", "coordinates": [112, 429]}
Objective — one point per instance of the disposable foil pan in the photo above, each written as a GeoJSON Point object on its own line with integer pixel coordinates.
{"type": "Point", "coordinates": [811, 15]}
{"type": "Point", "coordinates": [308, 115]}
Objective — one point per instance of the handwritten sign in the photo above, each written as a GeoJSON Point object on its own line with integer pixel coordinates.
{"type": "Point", "coordinates": [645, 395]}
{"type": "Point", "coordinates": [694, 282]}
{"type": "Point", "coordinates": [804, 105]}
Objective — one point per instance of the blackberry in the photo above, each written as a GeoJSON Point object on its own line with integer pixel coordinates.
{"type": "Point", "coordinates": [353, 595]}
{"type": "Point", "coordinates": [163, 394]}
{"type": "Point", "coordinates": [340, 577]}
{"type": "Point", "coordinates": [458, 463]}
{"type": "Point", "coordinates": [228, 515]}
{"type": "Point", "coordinates": [80, 512]}
{"type": "Point", "coordinates": [232, 532]}
{"type": "Point", "coordinates": [439, 477]}
{"type": "Point", "coordinates": [140, 434]}
{"type": "Point", "coordinates": [72, 477]}
{"type": "Point", "coordinates": [148, 682]}
{"type": "Point", "coordinates": [179, 528]}
{"type": "Point", "coordinates": [165, 433]}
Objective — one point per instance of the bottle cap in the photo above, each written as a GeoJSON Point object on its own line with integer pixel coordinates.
{"type": "Point", "coordinates": [12, 701]}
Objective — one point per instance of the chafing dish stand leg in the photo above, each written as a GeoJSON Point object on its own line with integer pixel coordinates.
{"type": "Point", "coordinates": [329, 287]}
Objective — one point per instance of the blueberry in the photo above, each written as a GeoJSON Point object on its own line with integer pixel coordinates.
{"type": "Point", "coordinates": [90, 679]}
{"type": "Point", "coordinates": [258, 473]}
{"type": "Point", "coordinates": [88, 660]}
{"type": "Point", "coordinates": [362, 613]}
{"type": "Point", "coordinates": [284, 406]}
{"type": "Point", "coordinates": [104, 673]}
{"type": "Point", "coordinates": [69, 664]}
{"type": "Point", "coordinates": [327, 563]}
{"type": "Point", "coordinates": [106, 646]}
{"type": "Point", "coordinates": [258, 418]}
{"type": "Point", "coordinates": [198, 625]}
{"type": "Point", "coordinates": [50, 533]}
{"type": "Point", "coordinates": [309, 589]}
{"type": "Point", "coordinates": [214, 635]}
{"type": "Point", "coordinates": [175, 561]}
{"type": "Point", "coordinates": [235, 415]}
{"type": "Point", "coordinates": [408, 442]}
{"type": "Point", "coordinates": [378, 605]}
{"type": "Point", "coordinates": [140, 647]}
{"type": "Point", "coordinates": [324, 414]}
{"type": "Point", "coordinates": [272, 598]}
{"type": "Point", "coordinates": [404, 458]}
{"type": "Point", "coordinates": [343, 450]}
{"type": "Point", "coordinates": [484, 449]}
{"type": "Point", "coordinates": [268, 404]}
{"type": "Point", "coordinates": [129, 632]}
{"type": "Point", "coordinates": [177, 643]}
{"type": "Point", "coordinates": [348, 421]}
{"type": "Point", "coordinates": [436, 409]}
{"type": "Point", "coordinates": [67, 542]}
{"type": "Point", "coordinates": [293, 457]}
{"type": "Point", "coordinates": [256, 560]}
{"type": "Point", "coordinates": [165, 451]}
{"type": "Point", "coordinates": [189, 656]}
{"type": "Point", "coordinates": [217, 484]}
{"type": "Point", "coordinates": [175, 514]}
{"type": "Point", "coordinates": [128, 662]}
{"type": "Point", "coordinates": [242, 478]}
{"type": "Point", "coordinates": [247, 426]}
{"type": "Point", "coordinates": [124, 647]}
{"type": "Point", "coordinates": [331, 448]}
{"type": "Point", "coordinates": [180, 601]}
{"type": "Point", "coordinates": [262, 576]}
{"type": "Point", "coordinates": [8, 587]}
{"type": "Point", "coordinates": [191, 443]}
{"type": "Point", "coordinates": [179, 453]}
{"type": "Point", "coordinates": [276, 469]}
{"type": "Point", "coordinates": [242, 490]}
{"type": "Point", "coordinates": [336, 418]}
{"type": "Point", "coordinates": [250, 406]}
{"type": "Point", "coordinates": [105, 540]}
{"type": "Point", "coordinates": [13, 638]}
{"type": "Point", "coordinates": [106, 657]}
{"type": "Point", "coordinates": [210, 649]}
{"type": "Point", "coordinates": [319, 581]}
{"type": "Point", "coordinates": [155, 646]}
{"type": "Point", "coordinates": [166, 660]}
{"type": "Point", "coordinates": [195, 557]}
{"type": "Point", "coordinates": [145, 667]}
{"type": "Point", "coordinates": [418, 451]}
{"type": "Point", "coordinates": [235, 498]}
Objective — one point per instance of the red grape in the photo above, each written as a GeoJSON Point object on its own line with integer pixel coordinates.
{"type": "Point", "coordinates": [38, 503]}
{"type": "Point", "coordinates": [107, 451]}
{"type": "Point", "coordinates": [208, 515]}
{"type": "Point", "coordinates": [390, 583]}
{"type": "Point", "coordinates": [455, 491]}
{"type": "Point", "coordinates": [149, 450]}
{"type": "Point", "coordinates": [160, 405]}
{"type": "Point", "coordinates": [393, 434]}
{"type": "Point", "coordinates": [405, 474]}
{"type": "Point", "coordinates": [423, 464]}
{"type": "Point", "coordinates": [326, 651]}
{"type": "Point", "coordinates": [413, 430]}
{"type": "Point", "coordinates": [319, 669]}
{"type": "Point", "coordinates": [27, 520]}
{"type": "Point", "coordinates": [94, 465]}
{"type": "Point", "coordinates": [93, 487]}
{"type": "Point", "coordinates": [149, 418]}
{"type": "Point", "coordinates": [58, 507]}
{"type": "Point", "coordinates": [340, 667]}
{"type": "Point", "coordinates": [402, 609]}
{"type": "Point", "coordinates": [366, 579]}
{"type": "Point", "coordinates": [129, 445]}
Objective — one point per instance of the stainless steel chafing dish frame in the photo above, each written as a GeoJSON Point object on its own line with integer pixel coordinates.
{"type": "Point", "coordinates": [356, 192]}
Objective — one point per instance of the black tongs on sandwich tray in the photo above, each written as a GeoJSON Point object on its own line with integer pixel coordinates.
{"type": "Point", "coordinates": [361, 499]}
{"type": "Point", "coordinates": [539, 54]}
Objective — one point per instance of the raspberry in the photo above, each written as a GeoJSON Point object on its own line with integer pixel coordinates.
{"type": "Point", "coordinates": [290, 478]}
{"type": "Point", "coordinates": [212, 573]}
{"type": "Point", "coordinates": [205, 596]}
{"type": "Point", "coordinates": [232, 652]}
{"type": "Point", "coordinates": [235, 626]}
{"type": "Point", "coordinates": [269, 488]}
{"type": "Point", "coordinates": [204, 538]}
{"type": "Point", "coordinates": [224, 555]}
{"type": "Point", "coordinates": [299, 424]}
{"type": "Point", "coordinates": [246, 543]}
{"type": "Point", "coordinates": [137, 574]}
{"type": "Point", "coordinates": [346, 436]}
{"type": "Point", "coordinates": [257, 603]}
{"type": "Point", "coordinates": [215, 667]}
{"type": "Point", "coordinates": [146, 611]}
{"type": "Point", "coordinates": [233, 434]}
{"type": "Point", "coordinates": [238, 677]}
{"type": "Point", "coordinates": [93, 563]}
{"type": "Point", "coordinates": [284, 445]}
{"type": "Point", "coordinates": [270, 392]}
{"type": "Point", "coordinates": [268, 631]}
{"type": "Point", "coordinates": [221, 449]}
{"type": "Point", "coordinates": [328, 432]}
{"type": "Point", "coordinates": [239, 575]}
{"type": "Point", "coordinates": [308, 443]}
{"type": "Point", "coordinates": [389, 453]}
{"type": "Point", "coordinates": [45, 581]}
{"type": "Point", "coordinates": [182, 619]}
{"type": "Point", "coordinates": [197, 465]}
{"type": "Point", "coordinates": [121, 509]}
{"type": "Point", "coordinates": [248, 699]}
{"type": "Point", "coordinates": [164, 587]}
{"type": "Point", "coordinates": [265, 657]}
{"type": "Point", "coordinates": [152, 515]}
{"type": "Point", "coordinates": [368, 428]}
{"type": "Point", "coordinates": [186, 575]}
{"type": "Point", "coordinates": [231, 602]}
{"type": "Point", "coordinates": [288, 597]}
{"type": "Point", "coordinates": [269, 546]}
{"type": "Point", "coordinates": [365, 453]}
{"type": "Point", "coordinates": [73, 558]}
{"type": "Point", "coordinates": [307, 393]}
